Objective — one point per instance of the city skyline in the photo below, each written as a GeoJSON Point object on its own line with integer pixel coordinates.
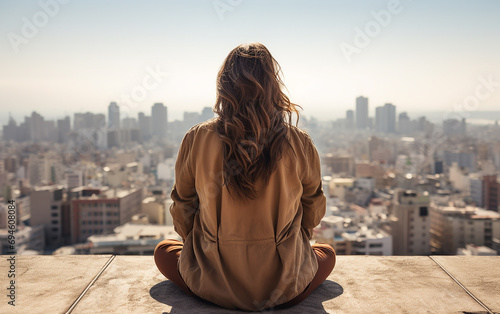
{"type": "Point", "coordinates": [419, 56]}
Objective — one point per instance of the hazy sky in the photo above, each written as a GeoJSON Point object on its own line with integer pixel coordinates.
{"type": "Point", "coordinates": [81, 55]}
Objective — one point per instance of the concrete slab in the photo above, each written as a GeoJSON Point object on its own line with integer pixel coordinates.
{"type": "Point", "coordinates": [479, 274]}
{"type": "Point", "coordinates": [396, 284]}
{"type": "Point", "coordinates": [48, 284]}
{"type": "Point", "coordinates": [358, 284]}
{"type": "Point", "coordinates": [133, 284]}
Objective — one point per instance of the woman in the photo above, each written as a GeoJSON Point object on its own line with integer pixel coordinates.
{"type": "Point", "coordinates": [247, 195]}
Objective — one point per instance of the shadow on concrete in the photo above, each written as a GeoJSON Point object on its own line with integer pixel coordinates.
{"type": "Point", "coordinates": [168, 293]}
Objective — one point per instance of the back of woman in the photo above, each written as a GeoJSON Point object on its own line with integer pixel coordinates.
{"type": "Point", "coordinates": [247, 193]}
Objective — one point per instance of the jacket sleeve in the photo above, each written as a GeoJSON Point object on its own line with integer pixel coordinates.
{"type": "Point", "coordinates": [313, 200]}
{"type": "Point", "coordinates": [184, 196]}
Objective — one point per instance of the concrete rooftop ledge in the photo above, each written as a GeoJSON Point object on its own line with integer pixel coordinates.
{"type": "Point", "coordinates": [358, 284]}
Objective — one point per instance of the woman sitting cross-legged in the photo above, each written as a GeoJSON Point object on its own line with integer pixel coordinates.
{"type": "Point", "coordinates": [247, 196]}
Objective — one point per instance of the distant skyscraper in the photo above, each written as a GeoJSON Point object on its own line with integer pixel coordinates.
{"type": "Point", "coordinates": [349, 119]}
{"type": "Point", "coordinates": [159, 120]}
{"type": "Point", "coordinates": [113, 116]}
{"type": "Point", "coordinates": [454, 127]}
{"type": "Point", "coordinates": [144, 126]}
{"type": "Point", "coordinates": [390, 114]}
{"type": "Point", "coordinates": [63, 129]}
{"type": "Point", "coordinates": [207, 113]}
{"type": "Point", "coordinates": [36, 125]}
{"type": "Point", "coordinates": [362, 113]}
{"type": "Point", "coordinates": [404, 124]}
{"type": "Point", "coordinates": [385, 119]}
{"type": "Point", "coordinates": [10, 131]}
{"type": "Point", "coordinates": [380, 120]}
{"type": "Point", "coordinates": [88, 120]}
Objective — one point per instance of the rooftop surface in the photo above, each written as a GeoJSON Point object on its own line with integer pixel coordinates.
{"type": "Point", "coordinates": [358, 284]}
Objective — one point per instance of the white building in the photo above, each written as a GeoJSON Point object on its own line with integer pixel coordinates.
{"type": "Point", "coordinates": [131, 239]}
{"type": "Point", "coordinates": [474, 250]}
{"type": "Point", "coordinates": [367, 241]}
{"type": "Point", "coordinates": [166, 169]}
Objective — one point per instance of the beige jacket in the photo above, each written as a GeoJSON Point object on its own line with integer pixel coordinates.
{"type": "Point", "coordinates": [241, 253]}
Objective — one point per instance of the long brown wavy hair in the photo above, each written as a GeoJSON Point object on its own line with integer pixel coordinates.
{"type": "Point", "coordinates": [254, 116]}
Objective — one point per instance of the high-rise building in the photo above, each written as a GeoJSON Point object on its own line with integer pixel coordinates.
{"type": "Point", "coordinates": [63, 129]}
{"type": "Point", "coordinates": [464, 158]}
{"type": "Point", "coordinates": [144, 126]}
{"type": "Point", "coordinates": [10, 131]}
{"type": "Point", "coordinates": [113, 116]}
{"type": "Point", "coordinates": [99, 211]}
{"type": "Point", "coordinates": [159, 120]}
{"type": "Point", "coordinates": [404, 124]}
{"type": "Point", "coordinates": [47, 209]}
{"type": "Point", "coordinates": [362, 121]}
{"type": "Point", "coordinates": [380, 119]}
{"type": "Point", "coordinates": [476, 189]}
{"type": "Point", "coordinates": [88, 121]}
{"type": "Point", "coordinates": [491, 191]}
{"type": "Point", "coordinates": [411, 223]}
{"type": "Point", "coordinates": [36, 124]}
{"type": "Point", "coordinates": [455, 227]}
{"type": "Point", "coordinates": [385, 119]}
{"type": "Point", "coordinates": [454, 127]}
{"type": "Point", "coordinates": [390, 116]}
{"type": "Point", "coordinates": [207, 113]}
{"type": "Point", "coordinates": [349, 119]}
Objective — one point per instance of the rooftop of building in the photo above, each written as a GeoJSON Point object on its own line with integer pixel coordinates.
{"type": "Point", "coordinates": [473, 211]}
{"type": "Point", "coordinates": [131, 231]}
{"type": "Point", "coordinates": [358, 284]}
{"type": "Point", "coordinates": [365, 233]}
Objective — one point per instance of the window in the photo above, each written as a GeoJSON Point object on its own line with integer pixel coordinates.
{"type": "Point", "coordinates": [423, 211]}
{"type": "Point", "coordinates": [54, 214]}
{"type": "Point", "coordinates": [54, 222]}
{"type": "Point", "coordinates": [53, 207]}
{"type": "Point", "coordinates": [373, 245]}
{"type": "Point", "coordinates": [58, 194]}
{"type": "Point", "coordinates": [55, 229]}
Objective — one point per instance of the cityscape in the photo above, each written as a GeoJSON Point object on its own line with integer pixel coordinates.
{"type": "Point", "coordinates": [396, 184]}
